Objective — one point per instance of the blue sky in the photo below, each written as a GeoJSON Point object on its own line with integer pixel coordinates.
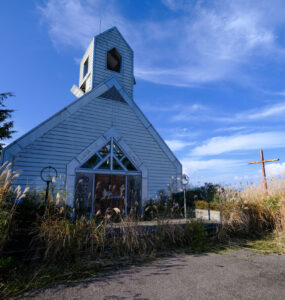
{"type": "Point", "coordinates": [210, 74]}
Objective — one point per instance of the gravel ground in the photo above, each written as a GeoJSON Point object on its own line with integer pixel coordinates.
{"type": "Point", "coordinates": [237, 274]}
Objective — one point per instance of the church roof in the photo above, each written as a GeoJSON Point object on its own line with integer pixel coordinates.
{"type": "Point", "coordinates": [111, 89]}
{"type": "Point", "coordinates": [114, 28]}
{"type": "Point", "coordinates": [113, 94]}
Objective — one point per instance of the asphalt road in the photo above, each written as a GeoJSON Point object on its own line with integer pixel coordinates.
{"type": "Point", "coordinates": [238, 274]}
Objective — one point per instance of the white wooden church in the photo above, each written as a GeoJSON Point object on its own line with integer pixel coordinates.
{"type": "Point", "coordinates": [106, 152]}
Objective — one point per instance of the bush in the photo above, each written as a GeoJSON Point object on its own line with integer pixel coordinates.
{"type": "Point", "coordinates": [201, 204]}
{"type": "Point", "coordinates": [162, 208]}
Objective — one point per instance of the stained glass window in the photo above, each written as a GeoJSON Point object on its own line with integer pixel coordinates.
{"type": "Point", "coordinates": [91, 162]}
{"type": "Point", "coordinates": [117, 151]}
{"type": "Point", "coordinates": [109, 152]}
{"type": "Point", "coordinates": [104, 151]}
{"type": "Point", "coordinates": [116, 165]}
{"type": "Point", "coordinates": [106, 165]}
{"type": "Point", "coordinates": [126, 162]}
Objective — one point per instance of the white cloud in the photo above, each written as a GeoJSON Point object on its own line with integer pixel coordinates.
{"type": "Point", "coordinates": [282, 93]}
{"type": "Point", "coordinates": [189, 112]}
{"type": "Point", "coordinates": [234, 128]}
{"type": "Point", "coordinates": [206, 113]}
{"type": "Point", "coordinates": [242, 178]}
{"type": "Point", "coordinates": [275, 110]}
{"type": "Point", "coordinates": [177, 108]}
{"type": "Point", "coordinates": [260, 113]}
{"type": "Point", "coordinates": [191, 166]}
{"type": "Point", "coordinates": [174, 4]}
{"type": "Point", "coordinates": [218, 38]}
{"type": "Point", "coordinates": [275, 169]}
{"type": "Point", "coordinates": [176, 145]}
{"type": "Point", "coordinates": [222, 144]}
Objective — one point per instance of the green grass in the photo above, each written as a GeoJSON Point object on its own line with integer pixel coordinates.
{"type": "Point", "coordinates": [271, 244]}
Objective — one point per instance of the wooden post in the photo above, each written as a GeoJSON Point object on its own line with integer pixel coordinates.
{"type": "Point", "coordinates": [262, 161]}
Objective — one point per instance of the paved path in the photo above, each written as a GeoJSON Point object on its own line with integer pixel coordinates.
{"type": "Point", "coordinates": [238, 274]}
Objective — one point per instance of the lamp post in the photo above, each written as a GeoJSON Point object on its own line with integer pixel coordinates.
{"type": "Point", "coordinates": [48, 174]}
{"type": "Point", "coordinates": [185, 181]}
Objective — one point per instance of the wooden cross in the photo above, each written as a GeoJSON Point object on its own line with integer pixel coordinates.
{"type": "Point", "coordinates": [262, 161]}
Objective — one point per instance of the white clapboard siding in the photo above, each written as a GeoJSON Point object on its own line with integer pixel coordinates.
{"type": "Point", "coordinates": [65, 141]}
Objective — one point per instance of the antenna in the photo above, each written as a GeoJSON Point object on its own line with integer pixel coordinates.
{"type": "Point", "coordinates": [100, 26]}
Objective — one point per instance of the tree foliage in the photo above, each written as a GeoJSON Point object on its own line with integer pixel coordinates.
{"type": "Point", "coordinates": [5, 124]}
{"type": "Point", "coordinates": [207, 192]}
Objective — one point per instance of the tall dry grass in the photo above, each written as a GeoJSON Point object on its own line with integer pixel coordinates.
{"type": "Point", "coordinates": [64, 239]}
{"type": "Point", "coordinates": [9, 197]}
{"type": "Point", "coordinates": [252, 211]}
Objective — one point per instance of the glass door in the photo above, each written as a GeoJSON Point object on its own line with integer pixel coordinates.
{"type": "Point", "coordinates": [109, 193]}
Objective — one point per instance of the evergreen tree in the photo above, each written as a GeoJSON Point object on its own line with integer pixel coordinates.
{"type": "Point", "coordinates": [5, 125]}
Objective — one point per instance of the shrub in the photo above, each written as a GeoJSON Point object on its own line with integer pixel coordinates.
{"type": "Point", "coordinates": [162, 209]}
{"type": "Point", "coordinates": [195, 235]}
{"type": "Point", "coordinates": [201, 204]}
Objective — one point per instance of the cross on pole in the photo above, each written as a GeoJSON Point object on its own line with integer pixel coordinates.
{"type": "Point", "coordinates": [262, 161]}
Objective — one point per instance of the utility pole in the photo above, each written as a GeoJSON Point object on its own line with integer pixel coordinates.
{"type": "Point", "coordinates": [262, 161]}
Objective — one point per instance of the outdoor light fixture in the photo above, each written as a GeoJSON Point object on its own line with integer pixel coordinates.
{"type": "Point", "coordinates": [48, 174]}
{"type": "Point", "coordinates": [185, 181]}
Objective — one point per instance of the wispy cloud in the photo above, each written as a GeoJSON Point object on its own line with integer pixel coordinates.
{"type": "Point", "coordinates": [206, 113]}
{"type": "Point", "coordinates": [222, 144]}
{"type": "Point", "coordinates": [230, 129]}
{"type": "Point", "coordinates": [274, 110]}
{"type": "Point", "coordinates": [174, 4]}
{"type": "Point", "coordinates": [176, 145]}
{"type": "Point", "coordinates": [174, 108]}
{"type": "Point", "coordinates": [219, 39]}
{"type": "Point", "coordinates": [180, 112]}
{"type": "Point", "coordinates": [189, 112]}
{"type": "Point", "coordinates": [191, 166]}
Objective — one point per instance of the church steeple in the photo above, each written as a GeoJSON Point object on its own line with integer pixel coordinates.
{"type": "Point", "coordinates": [108, 55]}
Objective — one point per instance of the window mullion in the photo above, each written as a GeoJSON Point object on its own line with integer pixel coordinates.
{"type": "Point", "coordinates": [121, 164]}
{"type": "Point", "coordinates": [101, 162]}
{"type": "Point", "coordinates": [112, 145]}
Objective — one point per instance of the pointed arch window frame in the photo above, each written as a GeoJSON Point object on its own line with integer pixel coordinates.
{"type": "Point", "coordinates": [111, 156]}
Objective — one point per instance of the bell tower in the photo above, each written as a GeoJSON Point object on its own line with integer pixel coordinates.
{"type": "Point", "coordinates": [108, 55]}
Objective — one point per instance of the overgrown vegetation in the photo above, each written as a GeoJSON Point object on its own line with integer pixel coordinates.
{"type": "Point", "coordinates": [9, 198]}
{"type": "Point", "coordinates": [53, 240]}
{"type": "Point", "coordinates": [172, 206]}
{"type": "Point", "coordinates": [63, 248]}
{"type": "Point", "coordinates": [253, 212]}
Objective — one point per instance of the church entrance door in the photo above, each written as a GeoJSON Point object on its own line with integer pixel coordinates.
{"type": "Point", "coordinates": [109, 193]}
{"type": "Point", "coordinates": [103, 192]}
{"type": "Point", "coordinates": [106, 181]}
